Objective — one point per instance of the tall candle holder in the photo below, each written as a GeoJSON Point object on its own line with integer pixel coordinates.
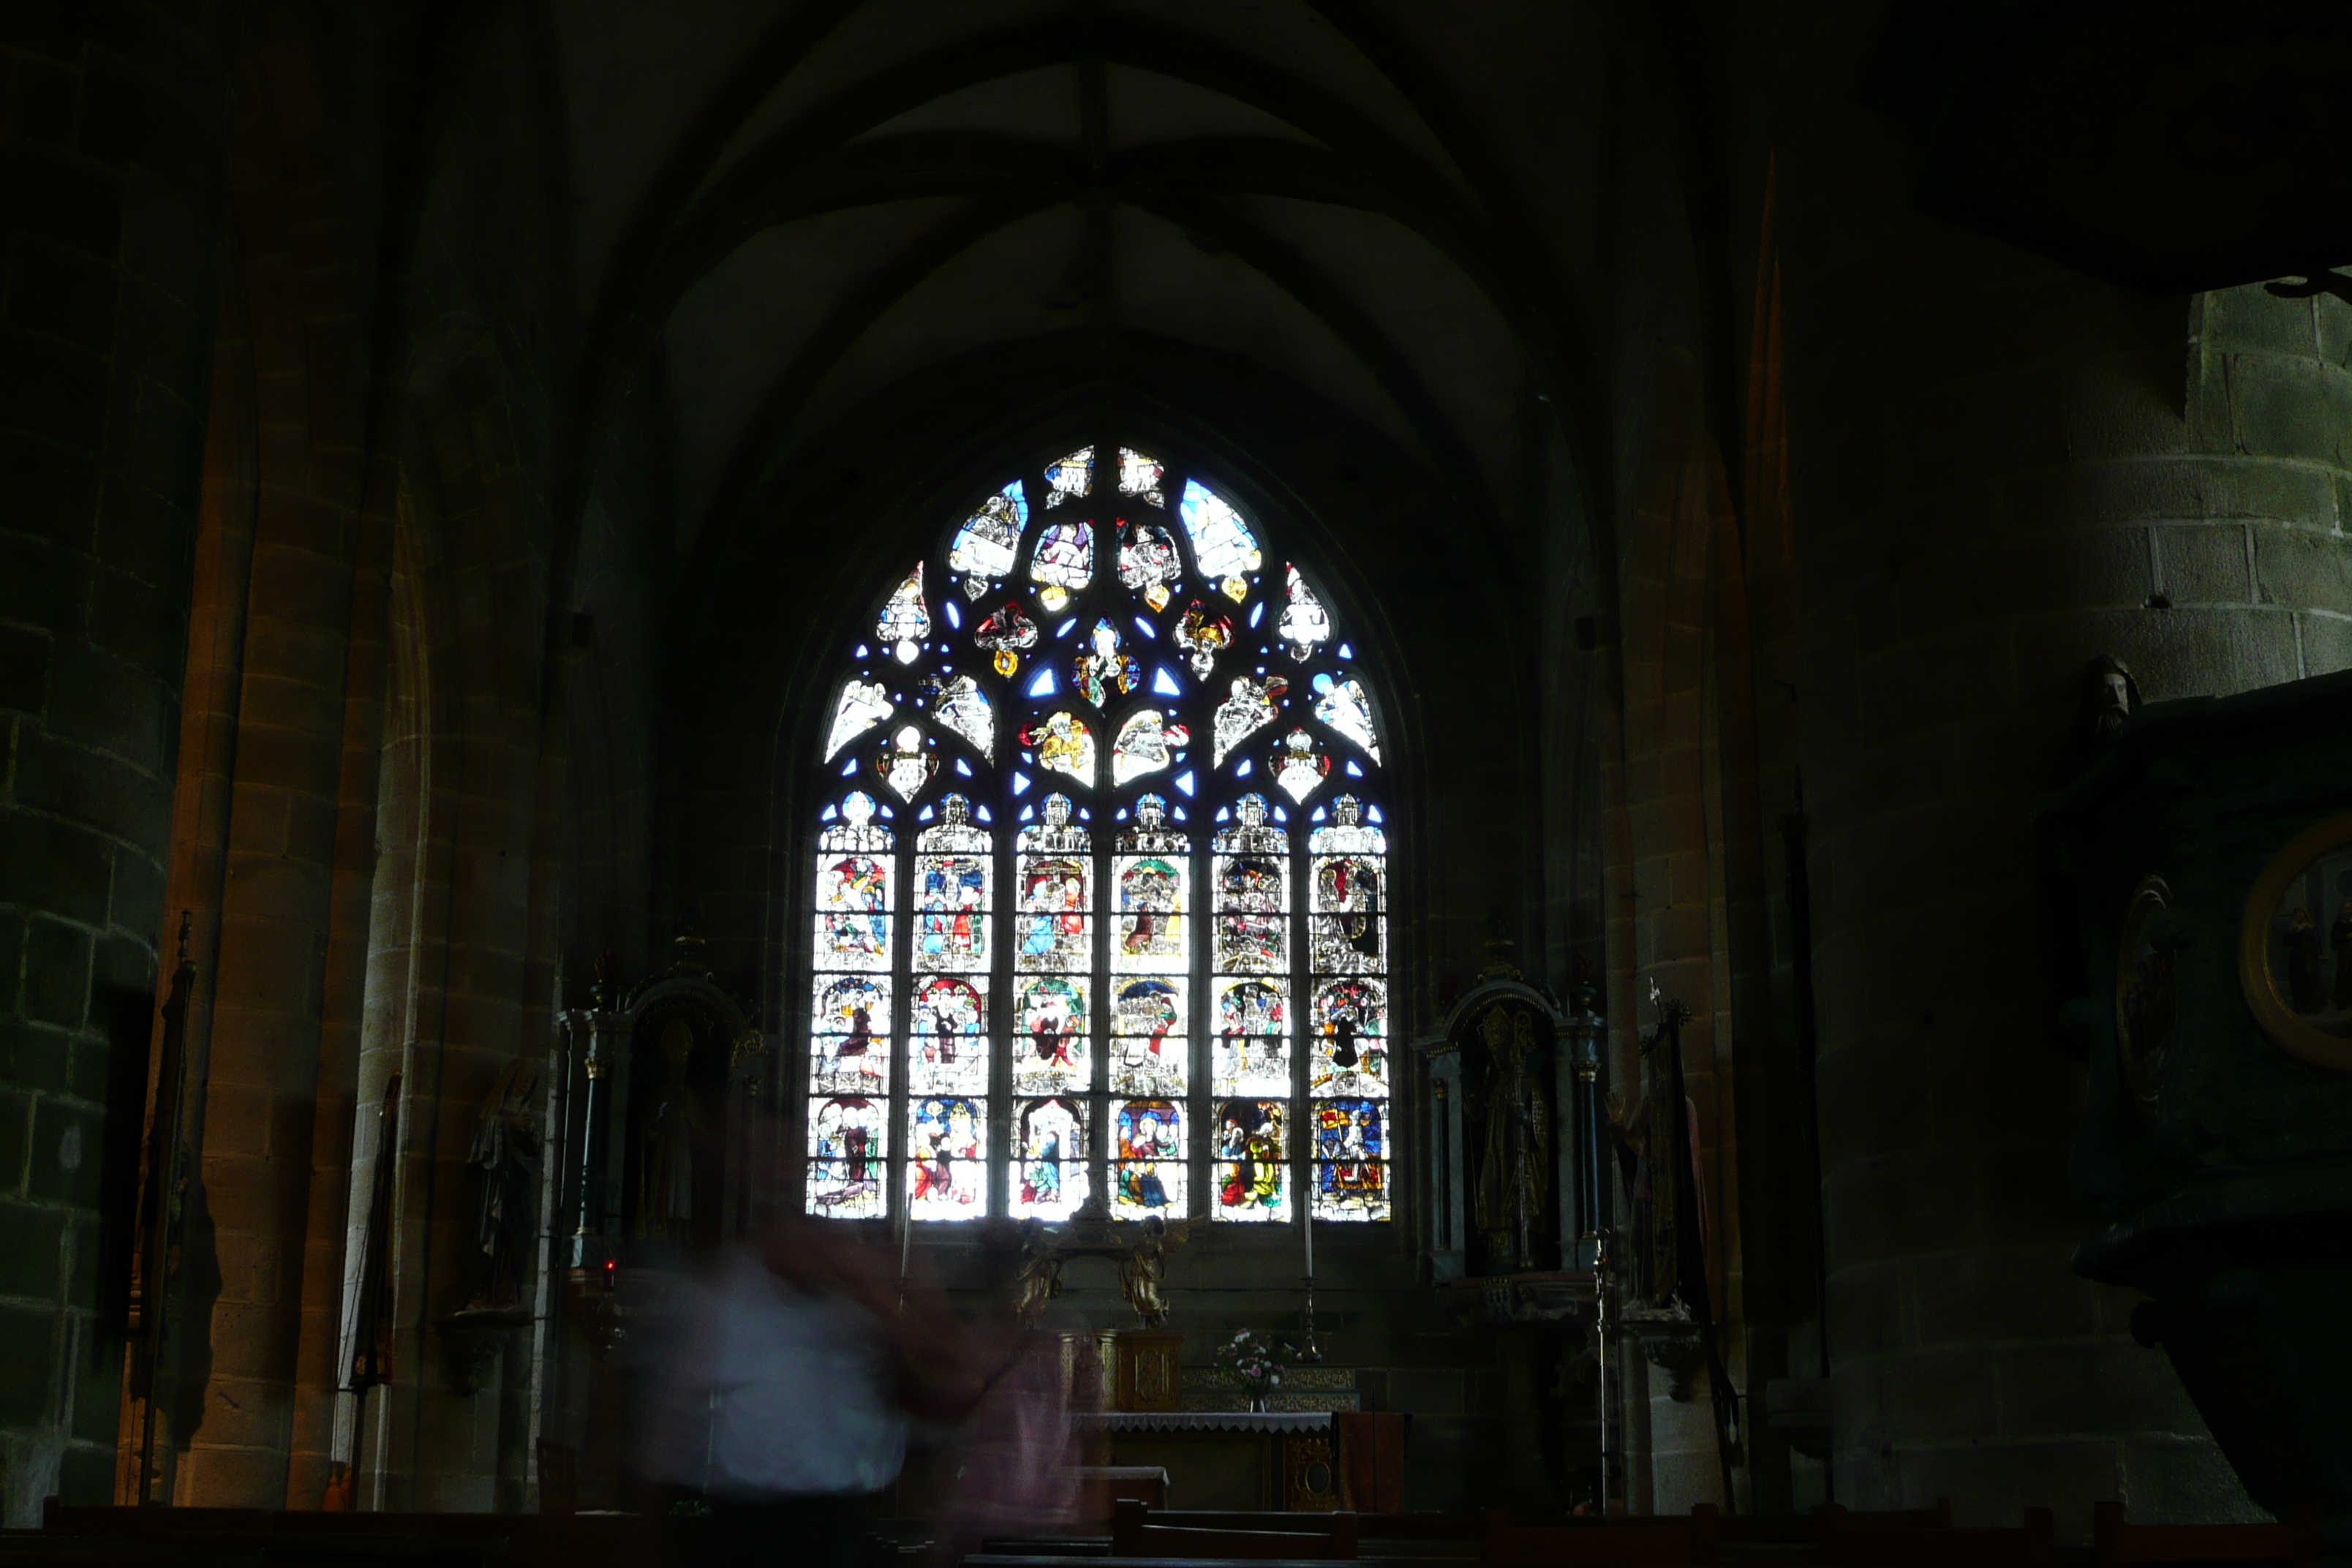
{"type": "Point", "coordinates": [1309, 1352]}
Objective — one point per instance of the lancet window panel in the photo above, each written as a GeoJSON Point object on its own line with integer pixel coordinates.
{"type": "Point", "coordinates": [1083, 943]}
{"type": "Point", "coordinates": [1349, 1062]}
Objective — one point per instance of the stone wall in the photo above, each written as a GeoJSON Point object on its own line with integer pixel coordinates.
{"type": "Point", "coordinates": [112, 214]}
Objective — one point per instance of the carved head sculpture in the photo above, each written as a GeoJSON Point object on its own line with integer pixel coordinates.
{"type": "Point", "coordinates": [2110, 695]}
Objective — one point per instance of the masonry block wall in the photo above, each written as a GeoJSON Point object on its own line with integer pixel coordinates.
{"type": "Point", "coordinates": [2001, 469]}
{"type": "Point", "coordinates": [111, 219]}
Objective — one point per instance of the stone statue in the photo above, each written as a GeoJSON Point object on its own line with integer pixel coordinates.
{"type": "Point", "coordinates": [1515, 1172]}
{"type": "Point", "coordinates": [1144, 1270]}
{"type": "Point", "coordinates": [666, 1146]}
{"type": "Point", "coordinates": [2110, 695]}
{"type": "Point", "coordinates": [506, 1151]}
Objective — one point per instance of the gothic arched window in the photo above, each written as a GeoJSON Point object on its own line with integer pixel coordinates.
{"type": "Point", "coordinates": [1123, 775]}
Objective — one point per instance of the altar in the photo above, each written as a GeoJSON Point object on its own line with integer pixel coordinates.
{"type": "Point", "coordinates": [1226, 1459]}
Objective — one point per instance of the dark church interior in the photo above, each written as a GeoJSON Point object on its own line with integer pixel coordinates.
{"type": "Point", "coordinates": [949, 783]}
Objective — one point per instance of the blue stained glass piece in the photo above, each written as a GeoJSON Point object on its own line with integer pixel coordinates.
{"type": "Point", "coordinates": [1027, 812]}
{"type": "Point", "coordinates": [1085, 815]}
{"type": "Point", "coordinates": [1147, 628]}
{"type": "Point", "coordinates": [861, 652]}
{"type": "Point", "coordinates": [1242, 768]}
{"type": "Point", "coordinates": [849, 768]}
{"type": "Point", "coordinates": [1354, 771]}
{"type": "Point", "coordinates": [955, 616]}
{"type": "Point", "coordinates": [1221, 814]}
{"type": "Point", "coordinates": [1347, 652]}
{"type": "Point", "coordinates": [1164, 683]}
{"type": "Point", "coordinates": [1373, 812]}
{"type": "Point", "coordinates": [1020, 784]}
{"type": "Point", "coordinates": [963, 767]}
{"type": "Point", "coordinates": [1044, 684]}
{"type": "Point", "coordinates": [888, 812]}
{"type": "Point", "coordinates": [1322, 683]}
{"type": "Point", "coordinates": [1317, 816]}
{"type": "Point", "coordinates": [1257, 612]}
{"type": "Point", "coordinates": [827, 815]}
{"type": "Point", "coordinates": [1280, 815]}
{"type": "Point", "coordinates": [1179, 814]}
{"type": "Point", "coordinates": [924, 814]}
{"type": "Point", "coordinates": [1184, 781]}
{"type": "Point", "coordinates": [981, 812]}
{"type": "Point", "coordinates": [1064, 629]}
{"type": "Point", "coordinates": [1122, 814]}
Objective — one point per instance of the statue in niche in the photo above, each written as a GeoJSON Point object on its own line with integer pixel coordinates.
{"type": "Point", "coordinates": [1143, 1272]}
{"type": "Point", "coordinates": [506, 1151]}
{"type": "Point", "coordinates": [666, 1146]}
{"type": "Point", "coordinates": [1515, 1173]}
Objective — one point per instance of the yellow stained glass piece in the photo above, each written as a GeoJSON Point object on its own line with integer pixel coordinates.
{"type": "Point", "coordinates": [1156, 596]}
{"type": "Point", "coordinates": [1052, 597]}
{"type": "Point", "coordinates": [1007, 661]}
{"type": "Point", "coordinates": [1237, 588]}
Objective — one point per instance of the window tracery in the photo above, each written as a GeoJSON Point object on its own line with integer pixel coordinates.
{"type": "Point", "coordinates": [1083, 1042]}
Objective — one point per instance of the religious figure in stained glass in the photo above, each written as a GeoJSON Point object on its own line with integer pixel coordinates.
{"type": "Point", "coordinates": [1350, 1024]}
{"type": "Point", "coordinates": [850, 1032]}
{"type": "Point", "coordinates": [1221, 543]}
{"type": "Point", "coordinates": [846, 1147]}
{"type": "Point", "coordinates": [1150, 906]}
{"type": "Point", "coordinates": [1054, 904]}
{"type": "Point", "coordinates": [864, 704]}
{"type": "Point", "coordinates": [987, 544]}
{"type": "Point", "coordinates": [947, 1159]}
{"type": "Point", "coordinates": [1350, 1175]}
{"type": "Point", "coordinates": [1150, 1155]}
{"type": "Point", "coordinates": [1050, 1159]}
{"type": "Point", "coordinates": [1250, 708]}
{"type": "Point", "coordinates": [1102, 672]}
{"type": "Point", "coordinates": [1065, 744]}
{"type": "Point", "coordinates": [959, 703]}
{"type": "Point", "coordinates": [906, 620]}
{"type": "Point", "coordinates": [1251, 903]}
{"type": "Point", "coordinates": [1252, 1173]}
{"type": "Point", "coordinates": [1342, 704]}
{"type": "Point", "coordinates": [1063, 562]}
{"type": "Point", "coordinates": [1147, 744]}
{"type": "Point", "coordinates": [949, 1032]}
{"type": "Point", "coordinates": [1305, 625]}
{"type": "Point", "coordinates": [1147, 562]}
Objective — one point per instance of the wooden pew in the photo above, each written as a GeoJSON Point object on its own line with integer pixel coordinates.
{"type": "Point", "coordinates": [1609, 1543]}
{"type": "Point", "coordinates": [1848, 1542]}
{"type": "Point", "coordinates": [2116, 1542]}
{"type": "Point", "coordinates": [1134, 1533]}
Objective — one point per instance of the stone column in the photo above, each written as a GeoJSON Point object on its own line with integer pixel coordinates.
{"type": "Point", "coordinates": [112, 214]}
{"type": "Point", "coordinates": [2002, 469]}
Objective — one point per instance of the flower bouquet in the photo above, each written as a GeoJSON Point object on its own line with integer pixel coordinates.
{"type": "Point", "coordinates": [1256, 1363]}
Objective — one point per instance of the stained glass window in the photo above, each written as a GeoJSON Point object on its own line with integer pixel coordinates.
{"type": "Point", "coordinates": [1349, 1063]}
{"type": "Point", "coordinates": [849, 1030]}
{"type": "Point", "coordinates": [1037, 984]}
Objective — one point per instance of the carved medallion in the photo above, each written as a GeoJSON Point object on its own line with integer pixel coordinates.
{"type": "Point", "coordinates": [2294, 945]}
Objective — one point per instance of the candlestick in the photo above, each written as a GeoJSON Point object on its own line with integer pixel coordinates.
{"type": "Point", "coordinates": [906, 1251]}
{"type": "Point", "coordinates": [1310, 1240]}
